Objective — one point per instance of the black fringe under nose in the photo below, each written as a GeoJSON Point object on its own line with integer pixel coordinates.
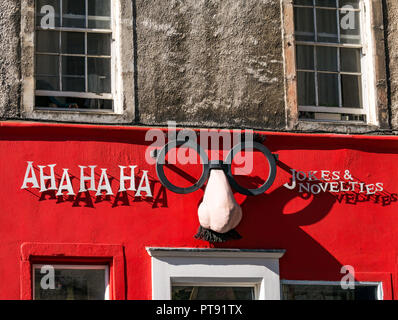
{"type": "Point", "coordinates": [212, 236]}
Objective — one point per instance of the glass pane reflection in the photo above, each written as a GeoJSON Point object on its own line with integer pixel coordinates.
{"type": "Point", "coordinates": [212, 293]}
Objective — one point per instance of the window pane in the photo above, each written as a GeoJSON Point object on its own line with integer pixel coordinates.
{"type": "Point", "coordinates": [350, 60]}
{"type": "Point", "coordinates": [332, 116]}
{"type": "Point", "coordinates": [74, 84]}
{"type": "Point", "coordinates": [40, 5]}
{"type": "Point", "coordinates": [326, 21]}
{"type": "Point", "coordinates": [47, 41]}
{"type": "Point", "coordinates": [303, 2]}
{"type": "Point", "coordinates": [73, 70]}
{"type": "Point", "coordinates": [328, 292]}
{"type": "Point", "coordinates": [306, 88]}
{"type": "Point", "coordinates": [48, 83]}
{"type": "Point", "coordinates": [99, 75]}
{"type": "Point", "coordinates": [47, 65]}
{"type": "Point", "coordinates": [96, 104]}
{"type": "Point", "coordinates": [326, 3]}
{"type": "Point", "coordinates": [305, 57]}
{"type": "Point", "coordinates": [99, 12]}
{"type": "Point", "coordinates": [353, 3]}
{"type": "Point", "coordinates": [73, 13]}
{"type": "Point", "coordinates": [72, 284]}
{"type": "Point", "coordinates": [47, 71]}
{"type": "Point", "coordinates": [73, 66]}
{"type": "Point", "coordinates": [328, 90]}
{"type": "Point", "coordinates": [304, 24]}
{"type": "Point", "coordinates": [212, 293]}
{"type": "Point", "coordinates": [72, 103]}
{"type": "Point", "coordinates": [350, 27]}
{"type": "Point", "coordinates": [73, 42]}
{"type": "Point", "coordinates": [326, 58]}
{"type": "Point", "coordinates": [351, 91]}
{"type": "Point", "coordinates": [99, 44]}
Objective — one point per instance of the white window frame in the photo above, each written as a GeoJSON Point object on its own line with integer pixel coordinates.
{"type": "Point", "coordinates": [367, 70]}
{"type": "Point", "coordinates": [73, 267]}
{"type": "Point", "coordinates": [122, 70]}
{"type": "Point", "coordinates": [215, 267]}
{"type": "Point", "coordinates": [108, 96]}
{"type": "Point", "coordinates": [378, 285]}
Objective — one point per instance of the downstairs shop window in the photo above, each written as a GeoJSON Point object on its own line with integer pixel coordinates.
{"type": "Point", "coordinates": [70, 282]}
{"type": "Point", "coordinates": [209, 292]}
{"type": "Point", "coordinates": [329, 291]}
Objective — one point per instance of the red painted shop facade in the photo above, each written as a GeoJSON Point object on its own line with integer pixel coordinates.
{"type": "Point", "coordinates": [85, 216]}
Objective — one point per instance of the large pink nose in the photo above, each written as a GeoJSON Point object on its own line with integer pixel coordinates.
{"type": "Point", "coordinates": [219, 210]}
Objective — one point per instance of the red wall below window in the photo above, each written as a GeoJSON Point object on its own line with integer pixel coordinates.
{"type": "Point", "coordinates": [320, 233]}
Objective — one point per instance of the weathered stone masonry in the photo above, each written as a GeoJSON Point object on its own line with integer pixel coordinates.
{"type": "Point", "coordinates": [206, 63]}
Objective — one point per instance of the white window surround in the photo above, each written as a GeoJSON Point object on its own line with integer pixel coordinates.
{"type": "Point", "coordinates": [219, 267]}
{"type": "Point", "coordinates": [67, 266]}
{"type": "Point", "coordinates": [379, 285]}
{"type": "Point", "coordinates": [367, 70]}
{"type": "Point", "coordinates": [375, 71]}
{"type": "Point", "coordinates": [122, 52]}
{"type": "Point", "coordinates": [368, 64]}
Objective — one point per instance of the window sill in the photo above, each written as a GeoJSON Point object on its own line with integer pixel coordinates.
{"type": "Point", "coordinates": [332, 126]}
{"type": "Point", "coordinates": [80, 116]}
{"type": "Point", "coordinates": [336, 122]}
{"type": "Point", "coordinates": [76, 111]}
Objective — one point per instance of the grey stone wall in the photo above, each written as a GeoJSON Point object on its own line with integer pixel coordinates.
{"type": "Point", "coordinates": [391, 15]}
{"type": "Point", "coordinates": [9, 58]}
{"type": "Point", "coordinates": [206, 63]}
{"type": "Point", "coordinates": [210, 62]}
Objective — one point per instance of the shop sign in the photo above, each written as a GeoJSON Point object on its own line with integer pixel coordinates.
{"type": "Point", "coordinates": [346, 188]}
{"type": "Point", "coordinates": [315, 182]}
{"type": "Point", "coordinates": [48, 182]}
